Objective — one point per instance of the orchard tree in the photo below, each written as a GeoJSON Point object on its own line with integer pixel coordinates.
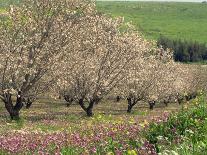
{"type": "Point", "coordinates": [97, 61]}
{"type": "Point", "coordinates": [147, 77]}
{"type": "Point", "coordinates": [139, 81]}
{"type": "Point", "coordinates": [157, 78]}
{"type": "Point", "coordinates": [189, 80]}
{"type": "Point", "coordinates": [33, 38]}
{"type": "Point", "coordinates": [196, 81]}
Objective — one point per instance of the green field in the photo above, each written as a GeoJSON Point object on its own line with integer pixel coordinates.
{"type": "Point", "coordinates": [6, 3]}
{"type": "Point", "coordinates": [175, 20]}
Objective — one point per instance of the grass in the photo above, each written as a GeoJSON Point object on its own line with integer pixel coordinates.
{"type": "Point", "coordinates": [51, 126]}
{"type": "Point", "coordinates": [174, 20]}
{"type": "Point", "coordinates": [54, 115]}
{"type": "Point", "coordinates": [47, 118]}
{"type": "Point", "coordinates": [5, 3]}
{"type": "Point", "coordinates": [182, 133]}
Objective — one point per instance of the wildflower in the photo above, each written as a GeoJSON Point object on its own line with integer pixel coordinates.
{"type": "Point", "coordinates": [131, 152]}
{"type": "Point", "coordinates": [93, 150]}
{"type": "Point", "coordinates": [110, 153]}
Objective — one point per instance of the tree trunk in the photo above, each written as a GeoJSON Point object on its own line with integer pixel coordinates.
{"type": "Point", "coordinates": [180, 100]}
{"type": "Point", "coordinates": [131, 104]}
{"type": "Point", "coordinates": [81, 103]}
{"type": "Point", "coordinates": [68, 104]}
{"type": "Point", "coordinates": [118, 98]}
{"type": "Point", "coordinates": [151, 104]}
{"type": "Point", "coordinates": [13, 110]}
{"type": "Point", "coordinates": [129, 110]}
{"type": "Point", "coordinates": [68, 100]}
{"type": "Point", "coordinates": [166, 103]}
{"type": "Point", "coordinates": [28, 105]}
{"type": "Point", "coordinates": [60, 97]}
{"type": "Point", "coordinates": [89, 110]}
{"type": "Point", "coordinates": [14, 114]}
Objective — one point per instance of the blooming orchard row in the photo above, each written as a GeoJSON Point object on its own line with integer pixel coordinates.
{"type": "Point", "coordinates": [67, 46]}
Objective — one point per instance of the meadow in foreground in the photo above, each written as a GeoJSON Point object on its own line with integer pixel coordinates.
{"type": "Point", "coordinates": [56, 129]}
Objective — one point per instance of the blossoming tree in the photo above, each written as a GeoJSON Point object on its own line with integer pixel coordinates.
{"type": "Point", "coordinates": [33, 38]}
{"type": "Point", "coordinates": [98, 58]}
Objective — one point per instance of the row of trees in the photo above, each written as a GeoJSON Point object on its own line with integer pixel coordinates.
{"type": "Point", "coordinates": [184, 51]}
{"type": "Point", "coordinates": [67, 46]}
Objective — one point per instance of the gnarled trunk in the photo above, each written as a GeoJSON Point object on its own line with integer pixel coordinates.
{"type": "Point", "coordinates": [118, 98]}
{"type": "Point", "coordinates": [28, 104]}
{"type": "Point", "coordinates": [81, 103]}
{"type": "Point", "coordinates": [89, 109]}
{"type": "Point", "coordinates": [166, 102]}
{"type": "Point", "coordinates": [131, 104]}
{"type": "Point", "coordinates": [129, 110]}
{"type": "Point", "coordinates": [151, 104]}
{"type": "Point", "coordinates": [68, 100]}
{"type": "Point", "coordinates": [180, 100]}
{"type": "Point", "coordinates": [13, 109]}
{"type": "Point", "coordinates": [14, 114]}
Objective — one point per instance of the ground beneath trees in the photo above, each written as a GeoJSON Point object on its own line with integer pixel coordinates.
{"type": "Point", "coordinates": [56, 111]}
{"type": "Point", "coordinates": [48, 122]}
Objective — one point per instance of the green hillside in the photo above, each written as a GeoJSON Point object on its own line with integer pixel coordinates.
{"type": "Point", "coordinates": [175, 20]}
{"type": "Point", "coordinates": [6, 3]}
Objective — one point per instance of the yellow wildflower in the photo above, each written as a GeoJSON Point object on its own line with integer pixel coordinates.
{"type": "Point", "coordinates": [110, 153]}
{"type": "Point", "coordinates": [131, 152]}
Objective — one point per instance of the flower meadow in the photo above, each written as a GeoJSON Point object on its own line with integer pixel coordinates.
{"type": "Point", "coordinates": [144, 132]}
{"type": "Point", "coordinates": [98, 135]}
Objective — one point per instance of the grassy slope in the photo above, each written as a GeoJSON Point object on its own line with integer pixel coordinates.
{"type": "Point", "coordinates": [176, 20]}
{"type": "Point", "coordinates": [6, 3]}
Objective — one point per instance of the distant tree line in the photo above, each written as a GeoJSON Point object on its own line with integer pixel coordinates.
{"type": "Point", "coordinates": [184, 51]}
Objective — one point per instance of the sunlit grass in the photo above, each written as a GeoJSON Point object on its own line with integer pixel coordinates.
{"type": "Point", "coordinates": [174, 20]}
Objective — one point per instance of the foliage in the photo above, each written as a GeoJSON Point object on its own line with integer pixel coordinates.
{"type": "Point", "coordinates": [187, 127]}
{"type": "Point", "coordinates": [184, 51]}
